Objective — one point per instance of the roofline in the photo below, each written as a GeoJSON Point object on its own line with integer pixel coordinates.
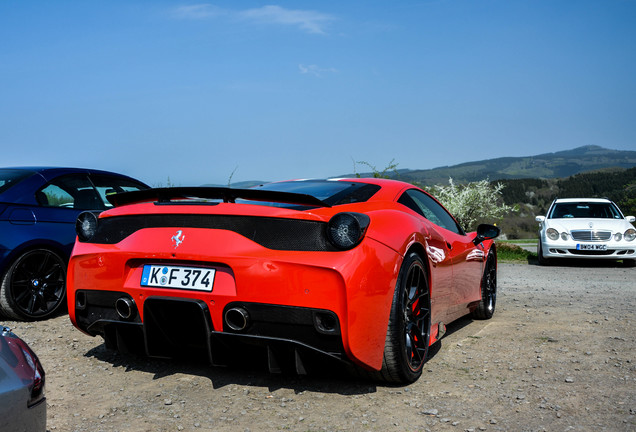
{"type": "Point", "coordinates": [582, 199]}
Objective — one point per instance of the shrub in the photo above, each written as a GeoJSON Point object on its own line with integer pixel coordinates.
{"type": "Point", "coordinates": [513, 252]}
{"type": "Point", "coordinates": [473, 203]}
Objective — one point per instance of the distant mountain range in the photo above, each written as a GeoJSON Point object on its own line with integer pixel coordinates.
{"type": "Point", "coordinates": [550, 165]}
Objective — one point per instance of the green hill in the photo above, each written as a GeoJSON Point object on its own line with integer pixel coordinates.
{"type": "Point", "coordinates": [550, 165]}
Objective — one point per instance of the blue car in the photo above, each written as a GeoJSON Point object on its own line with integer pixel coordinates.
{"type": "Point", "coordinates": [38, 210]}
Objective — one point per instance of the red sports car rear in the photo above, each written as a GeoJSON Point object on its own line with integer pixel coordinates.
{"type": "Point", "coordinates": [365, 272]}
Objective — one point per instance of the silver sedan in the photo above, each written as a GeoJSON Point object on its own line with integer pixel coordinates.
{"type": "Point", "coordinates": [22, 401]}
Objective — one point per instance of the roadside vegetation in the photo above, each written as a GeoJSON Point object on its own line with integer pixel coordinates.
{"type": "Point", "coordinates": [513, 203]}
{"type": "Point", "coordinates": [511, 252]}
{"type": "Point", "coordinates": [471, 203]}
{"type": "Point", "coordinates": [474, 202]}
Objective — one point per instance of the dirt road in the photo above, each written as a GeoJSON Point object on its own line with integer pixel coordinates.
{"type": "Point", "coordinates": [558, 355]}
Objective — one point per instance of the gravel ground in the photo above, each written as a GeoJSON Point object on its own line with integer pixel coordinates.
{"type": "Point", "coordinates": [558, 355]}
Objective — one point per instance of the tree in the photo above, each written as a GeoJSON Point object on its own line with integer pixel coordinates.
{"type": "Point", "coordinates": [392, 166]}
{"type": "Point", "coordinates": [473, 203]}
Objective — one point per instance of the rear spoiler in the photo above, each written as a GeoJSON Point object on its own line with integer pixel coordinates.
{"type": "Point", "coordinates": [228, 195]}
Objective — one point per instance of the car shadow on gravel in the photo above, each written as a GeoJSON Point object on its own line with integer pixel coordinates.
{"type": "Point", "coordinates": [322, 377]}
{"type": "Point", "coordinates": [334, 379]}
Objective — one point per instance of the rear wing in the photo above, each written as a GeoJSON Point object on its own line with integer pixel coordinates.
{"type": "Point", "coordinates": [227, 195]}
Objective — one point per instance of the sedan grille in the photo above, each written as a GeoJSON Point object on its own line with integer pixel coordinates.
{"type": "Point", "coordinates": [590, 235]}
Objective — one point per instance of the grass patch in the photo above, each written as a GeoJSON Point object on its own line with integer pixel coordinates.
{"type": "Point", "coordinates": [521, 241]}
{"type": "Point", "coordinates": [510, 252]}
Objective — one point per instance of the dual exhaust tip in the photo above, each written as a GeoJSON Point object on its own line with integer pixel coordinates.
{"type": "Point", "coordinates": [236, 318]}
{"type": "Point", "coordinates": [125, 308]}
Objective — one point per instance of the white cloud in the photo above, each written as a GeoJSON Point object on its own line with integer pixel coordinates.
{"type": "Point", "coordinates": [306, 20]}
{"type": "Point", "coordinates": [310, 21]}
{"type": "Point", "coordinates": [314, 70]}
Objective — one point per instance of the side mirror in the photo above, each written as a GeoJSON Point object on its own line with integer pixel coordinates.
{"type": "Point", "coordinates": [540, 219]}
{"type": "Point", "coordinates": [630, 219]}
{"type": "Point", "coordinates": [486, 232]}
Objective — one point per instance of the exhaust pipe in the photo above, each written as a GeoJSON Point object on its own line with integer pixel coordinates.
{"type": "Point", "coordinates": [125, 308]}
{"type": "Point", "coordinates": [326, 322]}
{"type": "Point", "coordinates": [237, 318]}
{"type": "Point", "coordinates": [80, 300]}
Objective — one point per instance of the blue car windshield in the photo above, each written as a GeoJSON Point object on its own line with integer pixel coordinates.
{"type": "Point", "coordinates": [328, 191]}
{"type": "Point", "coordinates": [10, 177]}
{"type": "Point", "coordinates": [597, 210]}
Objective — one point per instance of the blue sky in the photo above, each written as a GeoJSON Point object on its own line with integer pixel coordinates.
{"type": "Point", "coordinates": [200, 92]}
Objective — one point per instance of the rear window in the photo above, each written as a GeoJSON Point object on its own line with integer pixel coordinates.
{"type": "Point", "coordinates": [107, 185]}
{"type": "Point", "coordinates": [329, 191]}
{"type": "Point", "coordinates": [10, 177]}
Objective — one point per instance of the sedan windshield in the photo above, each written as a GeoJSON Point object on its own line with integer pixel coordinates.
{"type": "Point", "coordinates": [595, 210]}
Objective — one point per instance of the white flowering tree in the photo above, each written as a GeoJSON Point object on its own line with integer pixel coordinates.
{"type": "Point", "coordinates": [472, 203]}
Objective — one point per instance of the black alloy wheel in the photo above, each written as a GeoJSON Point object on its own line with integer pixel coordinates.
{"type": "Point", "coordinates": [486, 307]}
{"type": "Point", "coordinates": [409, 329]}
{"type": "Point", "coordinates": [34, 287]}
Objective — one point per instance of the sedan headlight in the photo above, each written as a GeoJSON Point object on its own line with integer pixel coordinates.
{"type": "Point", "coordinates": [630, 234]}
{"type": "Point", "coordinates": [552, 234]}
{"type": "Point", "coordinates": [346, 230]}
{"type": "Point", "coordinates": [618, 237]}
{"type": "Point", "coordinates": [86, 226]}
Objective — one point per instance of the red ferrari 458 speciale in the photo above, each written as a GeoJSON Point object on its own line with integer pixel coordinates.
{"type": "Point", "coordinates": [365, 272]}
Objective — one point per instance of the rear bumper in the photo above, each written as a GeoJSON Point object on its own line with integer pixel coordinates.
{"type": "Point", "coordinates": [287, 339]}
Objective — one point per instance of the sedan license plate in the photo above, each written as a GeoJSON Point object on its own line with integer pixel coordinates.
{"type": "Point", "coordinates": [592, 247]}
{"type": "Point", "coordinates": [189, 278]}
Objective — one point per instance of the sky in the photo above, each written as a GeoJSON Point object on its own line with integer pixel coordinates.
{"type": "Point", "coordinates": [190, 93]}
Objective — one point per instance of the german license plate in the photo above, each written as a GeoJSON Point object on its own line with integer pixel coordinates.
{"type": "Point", "coordinates": [189, 278]}
{"type": "Point", "coordinates": [592, 247]}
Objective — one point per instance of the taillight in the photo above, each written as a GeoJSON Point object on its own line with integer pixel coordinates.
{"type": "Point", "coordinates": [37, 385]}
{"type": "Point", "coordinates": [346, 230]}
{"type": "Point", "coordinates": [86, 226]}
{"type": "Point", "coordinates": [25, 364]}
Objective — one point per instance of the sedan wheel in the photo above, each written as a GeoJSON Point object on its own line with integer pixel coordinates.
{"type": "Point", "coordinates": [34, 287]}
{"type": "Point", "coordinates": [409, 324]}
{"type": "Point", "coordinates": [540, 259]}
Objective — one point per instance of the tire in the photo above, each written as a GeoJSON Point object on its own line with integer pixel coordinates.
{"type": "Point", "coordinates": [486, 307]}
{"type": "Point", "coordinates": [629, 263]}
{"type": "Point", "coordinates": [540, 259]}
{"type": "Point", "coordinates": [409, 329]}
{"type": "Point", "coordinates": [34, 286]}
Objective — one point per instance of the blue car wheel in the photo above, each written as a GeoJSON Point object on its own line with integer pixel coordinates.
{"type": "Point", "coordinates": [34, 286]}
